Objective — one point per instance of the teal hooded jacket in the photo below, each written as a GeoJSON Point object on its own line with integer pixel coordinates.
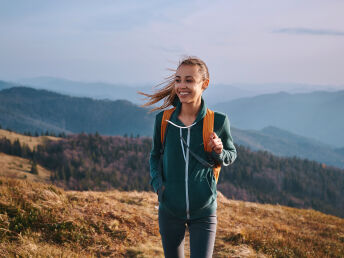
{"type": "Point", "coordinates": [190, 187]}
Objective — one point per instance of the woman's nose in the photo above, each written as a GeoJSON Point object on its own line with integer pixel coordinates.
{"type": "Point", "coordinates": [182, 85]}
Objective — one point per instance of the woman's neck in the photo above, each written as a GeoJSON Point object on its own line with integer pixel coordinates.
{"type": "Point", "coordinates": [189, 112]}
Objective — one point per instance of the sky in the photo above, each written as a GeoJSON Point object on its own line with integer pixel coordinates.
{"type": "Point", "coordinates": [136, 42]}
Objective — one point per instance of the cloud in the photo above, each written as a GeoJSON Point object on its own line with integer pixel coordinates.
{"type": "Point", "coordinates": [307, 31]}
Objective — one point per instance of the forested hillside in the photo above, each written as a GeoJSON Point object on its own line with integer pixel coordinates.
{"type": "Point", "coordinates": [26, 109]}
{"type": "Point", "coordinates": [95, 162]}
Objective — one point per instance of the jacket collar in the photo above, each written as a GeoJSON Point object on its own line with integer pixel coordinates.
{"type": "Point", "coordinates": [201, 114]}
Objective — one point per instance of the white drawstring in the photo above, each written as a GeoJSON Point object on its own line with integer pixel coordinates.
{"type": "Point", "coordinates": [180, 126]}
{"type": "Point", "coordinates": [181, 134]}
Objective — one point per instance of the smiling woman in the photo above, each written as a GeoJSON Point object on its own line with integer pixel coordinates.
{"type": "Point", "coordinates": [185, 176]}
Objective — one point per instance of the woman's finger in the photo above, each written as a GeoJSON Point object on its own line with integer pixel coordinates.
{"type": "Point", "coordinates": [218, 149]}
{"type": "Point", "coordinates": [218, 145]}
{"type": "Point", "coordinates": [211, 144]}
{"type": "Point", "coordinates": [217, 141]}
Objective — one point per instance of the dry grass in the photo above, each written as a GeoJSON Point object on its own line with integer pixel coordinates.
{"type": "Point", "coordinates": [30, 141]}
{"type": "Point", "coordinates": [43, 220]}
{"type": "Point", "coordinates": [279, 231]}
{"type": "Point", "coordinates": [16, 167]}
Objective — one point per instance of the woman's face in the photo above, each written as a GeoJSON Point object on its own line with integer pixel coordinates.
{"type": "Point", "coordinates": [189, 85]}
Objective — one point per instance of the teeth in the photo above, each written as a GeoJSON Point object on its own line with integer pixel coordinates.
{"type": "Point", "coordinates": [184, 93]}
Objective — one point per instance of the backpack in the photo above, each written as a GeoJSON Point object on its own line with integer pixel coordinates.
{"type": "Point", "coordinates": [208, 127]}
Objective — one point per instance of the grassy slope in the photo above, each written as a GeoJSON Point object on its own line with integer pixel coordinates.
{"type": "Point", "coordinates": [41, 219]}
{"type": "Point", "coordinates": [16, 167]}
{"type": "Point", "coordinates": [28, 140]}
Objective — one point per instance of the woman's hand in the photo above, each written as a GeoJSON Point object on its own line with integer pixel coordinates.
{"type": "Point", "coordinates": [215, 143]}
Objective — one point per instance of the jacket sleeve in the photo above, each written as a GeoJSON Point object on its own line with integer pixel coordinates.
{"type": "Point", "coordinates": [229, 153]}
{"type": "Point", "coordinates": [156, 178]}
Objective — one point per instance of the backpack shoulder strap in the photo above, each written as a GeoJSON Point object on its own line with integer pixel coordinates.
{"type": "Point", "coordinates": [208, 127]}
{"type": "Point", "coordinates": [166, 116]}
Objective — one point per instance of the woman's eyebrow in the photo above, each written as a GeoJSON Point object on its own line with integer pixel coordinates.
{"type": "Point", "coordinates": [185, 76]}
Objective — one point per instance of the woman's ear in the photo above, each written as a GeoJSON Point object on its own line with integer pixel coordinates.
{"type": "Point", "coordinates": [205, 84]}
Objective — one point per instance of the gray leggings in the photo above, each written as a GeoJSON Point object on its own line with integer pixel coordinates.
{"type": "Point", "coordinates": [202, 235]}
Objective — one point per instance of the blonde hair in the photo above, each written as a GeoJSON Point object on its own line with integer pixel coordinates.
{"type": "Point", "coordinates": [167, 92]}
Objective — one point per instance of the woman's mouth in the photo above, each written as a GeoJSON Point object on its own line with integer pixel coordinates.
{"type": "Point", "coordinates": [183, 93]}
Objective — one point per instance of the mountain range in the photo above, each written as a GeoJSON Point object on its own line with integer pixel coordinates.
{"type": "Point", "coordinates": [25, 109]}
{"type": "Point", "coordinates": [285, 144]}
{"type": "Point", "coordinates": [316, 115]}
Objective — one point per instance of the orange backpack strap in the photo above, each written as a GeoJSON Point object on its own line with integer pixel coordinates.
{"type": "Point", "coordinates": [166, 116]}
{"type": "Point", "coordinates": [208, 127]}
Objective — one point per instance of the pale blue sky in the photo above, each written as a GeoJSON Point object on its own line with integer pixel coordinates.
{"type": "Point", "coordinates": [133, 42]}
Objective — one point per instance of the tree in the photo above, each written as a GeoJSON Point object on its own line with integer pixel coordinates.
{"type": "Point", "coordinates": [16, 148]}
{"type": "Point", "coordinates": [34, 169]}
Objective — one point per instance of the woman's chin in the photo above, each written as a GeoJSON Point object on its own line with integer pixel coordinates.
{"type": "Point", "coordinates": [185, 100]}
{"type": "Point", "coordinates": [188, 100]}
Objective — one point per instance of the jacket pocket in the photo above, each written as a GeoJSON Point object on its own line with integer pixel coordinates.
{"type": "Point", "coordinates": [174, 196]}
{"type": "Point", "coordinates": [201, 194]}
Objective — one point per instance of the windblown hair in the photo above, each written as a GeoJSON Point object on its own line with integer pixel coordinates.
{"type": "Point", "coordinates": [167, 92]}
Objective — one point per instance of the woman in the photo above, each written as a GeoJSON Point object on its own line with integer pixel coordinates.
{"type": "Point", "coordinates": [186, 183]}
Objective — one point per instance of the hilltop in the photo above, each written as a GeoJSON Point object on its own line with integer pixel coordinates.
{"type": "Point", "coordinates": [18, 167]}
{"type": "Point", "coordinates": [41, 219]}
{"type": "Point", "coordinates": [30, 141]}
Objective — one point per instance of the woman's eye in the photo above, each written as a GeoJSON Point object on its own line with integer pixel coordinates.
{"type": "Point", "coordinates": [177, 80]}
{"type": "Point", "coordinates": [189, 81]}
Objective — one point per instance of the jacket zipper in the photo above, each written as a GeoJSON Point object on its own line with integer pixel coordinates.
{"type": "Point", "coordinates": [186, 176]}
{"type": "Point", "coordinates": [186, 158]}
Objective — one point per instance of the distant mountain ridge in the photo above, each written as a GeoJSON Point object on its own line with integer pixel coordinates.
{"type": "Point", "coordinates": [317, 115]}
{"type": "Point", "coordinates": [95, 90]}
{"type": "Point", "coordinates": [27, 109]}
{"type": "Point", "coordinates": [215, 92]}
{"type": "Point", "coordinates": [6, 85]}
{"type": "Point", "coordinates": [285, 144]}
